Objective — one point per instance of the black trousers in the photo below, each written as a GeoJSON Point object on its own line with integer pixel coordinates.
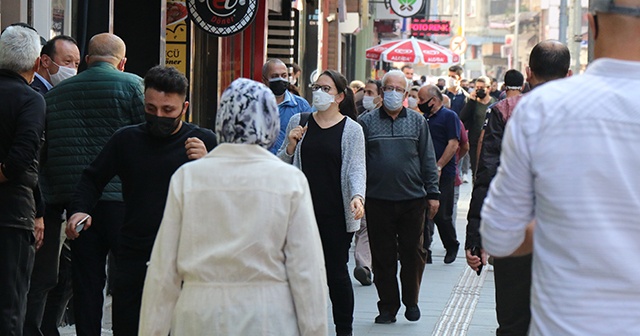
{"type": "Point", "coordinates": [513, 290]}
{"type": "Point", "coordinates": [443, 218]}
{"type": "Point", "coordinates": [336, 242]}
{"type": "Point", "coordinates": [88, 258]}
{"type": "Point", "coordinates": [59, 297]}
{"type": "Point", "coordinates": [45, 270]}
{"type": "Point", "coordinates": [128, 282]}
{"type": "Point", "coordinates": [396, 228]}
{"type": "Point", "coordinates": [17, 252]}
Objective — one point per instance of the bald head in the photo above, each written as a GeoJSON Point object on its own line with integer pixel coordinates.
{"type": "Point", "coordinates": [106, 47]}
{"type": "Point", "coordinates": [549, 60]}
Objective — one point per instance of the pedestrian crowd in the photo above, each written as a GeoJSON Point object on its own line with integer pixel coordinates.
{"type": "Point", "coordinates": [246, 229]}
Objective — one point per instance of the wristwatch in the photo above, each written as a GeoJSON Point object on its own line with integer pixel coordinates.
{"type": "Point", "coordinates": [439, 169]}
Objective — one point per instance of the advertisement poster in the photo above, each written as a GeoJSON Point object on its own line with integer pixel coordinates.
{"type": "Point", "coordinates": [177, 37]}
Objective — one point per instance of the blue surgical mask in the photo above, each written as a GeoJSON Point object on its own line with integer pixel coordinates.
{"type": "Point", "coordinates": [393, 100]}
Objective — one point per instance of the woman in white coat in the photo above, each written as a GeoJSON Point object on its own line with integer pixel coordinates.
{"type": "Point", "coordinates": [238, 251]}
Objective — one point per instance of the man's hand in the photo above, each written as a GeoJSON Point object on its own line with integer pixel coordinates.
{"type": "Point", "coordinates": [357, 208]}
{"type": "Point", "coordinates": [195, 148]}
{"type": "Point", "coordinates": [474, 261]}
{"type": "Point", "coordinates": [73, 221]}
{"type": "Point", "coordinates": [472, 95]}
{"type": "Point", "coordinates": [38, 232]}
{"type": "Point", "coordinates": [433, 208]}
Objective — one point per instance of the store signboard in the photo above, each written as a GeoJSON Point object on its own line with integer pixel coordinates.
{"type": "Point", "coordinates": [177, 36]}
{"type": "Point", "coordinates": [224, 17]}
{"type": "Point", "coordinates": [406, 8]}
{"type": "Point", "coordinates": [423, 27]}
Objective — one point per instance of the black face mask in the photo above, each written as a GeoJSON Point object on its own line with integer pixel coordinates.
{"type": "Point", "coordinates": [278, 86]}
{"type": "Point", "coordinates": [480, 93]}
{"type": "Point", "coordinates": [441, 87]}
{"type": "Point", "coordinates": [161, 127]}
{"type": "Point", "coordinates": [424, 107]}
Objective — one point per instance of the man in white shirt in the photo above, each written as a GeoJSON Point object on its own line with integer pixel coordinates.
{"type": "Point", "coordinates": [567, 162]}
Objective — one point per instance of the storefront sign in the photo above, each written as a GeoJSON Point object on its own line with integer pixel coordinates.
{"type": "Point", "coordinates": [406, 8]}
{"type": "Point", "coordinates": [177, 32]}
{"type": "Point", "coordinates": [224, 17]}
{"type": "Point", "coordinates": [422, 27]}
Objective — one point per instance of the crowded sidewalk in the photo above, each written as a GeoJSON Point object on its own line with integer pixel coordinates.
{"type": "Point", "coordinates": [453, 299]}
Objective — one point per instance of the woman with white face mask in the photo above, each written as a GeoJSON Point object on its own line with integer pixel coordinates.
{"type": "Point", "coordinates": [329, 149]}
{"type": "Point", "coordinates": [412, 100]}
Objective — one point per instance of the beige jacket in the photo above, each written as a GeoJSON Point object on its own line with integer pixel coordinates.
{"type": "Point", "coordinates": [238, 251]}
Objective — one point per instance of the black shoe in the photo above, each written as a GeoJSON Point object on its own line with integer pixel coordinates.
{"type": "Point", "coordinates": [363, 275]}
{"type": "Point", "coordinates": [412, 313]}
{"type": "Point", "coordinates": [385, 318]}
{"type": "Point", "coordinates": [429, 260]}
{"type": "Point", "coordinates": [451, 255]}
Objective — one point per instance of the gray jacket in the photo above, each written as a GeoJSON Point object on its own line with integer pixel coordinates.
{"type": "Point", "coordinates": [401, 162]}
{"type": "Point", "coordinates": [353, 174]}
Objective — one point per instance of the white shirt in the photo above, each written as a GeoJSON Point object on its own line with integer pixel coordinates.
{"type": "Point", "coordinates": [570, 159]}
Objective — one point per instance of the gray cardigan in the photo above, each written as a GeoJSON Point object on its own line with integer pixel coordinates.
{"type": "Point", "coordinates": [353, 174]}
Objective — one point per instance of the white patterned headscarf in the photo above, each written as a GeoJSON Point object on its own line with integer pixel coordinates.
{"type": "Point", "coordinates": [248, 114]}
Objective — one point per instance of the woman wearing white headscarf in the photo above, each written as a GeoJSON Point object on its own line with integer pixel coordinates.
{"type": "Point", "coordinates": [238, 251]}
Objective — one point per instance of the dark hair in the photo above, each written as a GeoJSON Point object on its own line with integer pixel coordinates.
{"type": "Point", "coordinates": [457, 69]}
{"type": "Point", "coordinates": [513, 78]}
{"type": "Point", "coordinates": [549, 60]}
{"type": "Point", "coordinates": [347, 105]}
{"type": "Point", "coordinates": [377, 83]}
{"type": "Point", "coordinates": [166, 79]}
{"type": "Point", "coordinates": [406, 66]}
{"type": "Point", "coordinates": [49, 48]}
{"type": "Point", "coordinates": [295, 67]}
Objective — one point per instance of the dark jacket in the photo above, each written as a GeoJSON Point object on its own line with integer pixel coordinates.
{"type": "Point", "coordinates": [22, 117]}
{"type": "Point", "coordinates": [401, 161]}
{"type": "Point", "coordinates": [83, 112]}
{"type": "Point", "coordinates": [488, 165]}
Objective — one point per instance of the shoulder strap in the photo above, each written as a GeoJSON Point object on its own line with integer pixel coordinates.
{"type": "Point", "coordinates": [304, 118]}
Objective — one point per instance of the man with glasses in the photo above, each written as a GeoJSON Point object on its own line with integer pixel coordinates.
{"type": "Point", "coordinates": [276, 77]}
{"type": "Point", "coordinates": [568, 161]}
{"type": "Point", "coordinates": [402, 183]}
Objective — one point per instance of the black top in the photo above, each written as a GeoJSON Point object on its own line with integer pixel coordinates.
{"type": "Point", "coordinates": [22, 118]}
{"type": "Point", "coordinates": [321, 158]}
{"type": "Point", "coordinates": [145, 164]}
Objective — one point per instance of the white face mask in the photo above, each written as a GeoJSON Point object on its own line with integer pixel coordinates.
{"type": "Point", "coordinates": [451, 82]}
{"type": "Point", "coordinates": [322, 100]}
{"type": "Point", "coordinates": [368, 104]}
{"type": "Point", "coordinates": [62, 74]}
{"type": "Point", "coordinates": [393, 100]}
{"type": "Point", "coordinates": [412, 102]}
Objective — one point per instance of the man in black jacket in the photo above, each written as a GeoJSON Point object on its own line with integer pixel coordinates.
{"type": "Point", "coordinates": [549, 60]}
{"type": "Point", "coordinates": [22, 117]}
{"type": "Point", "coordinates": [144, 157]}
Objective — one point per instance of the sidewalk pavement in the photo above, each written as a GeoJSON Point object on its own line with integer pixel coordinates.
{"type": "Point", "coordinates": [453, 299]}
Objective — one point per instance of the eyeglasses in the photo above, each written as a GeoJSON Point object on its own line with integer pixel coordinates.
{"type": "Point", "coordinates": [325, 88]}
{"type": "Point", "coordinates": [393, 88]}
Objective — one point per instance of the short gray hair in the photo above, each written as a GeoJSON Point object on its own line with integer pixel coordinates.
{"type": "Point", "coordinates": [396, 73]}
{"type": "Point", "coordinates": [19, 49]}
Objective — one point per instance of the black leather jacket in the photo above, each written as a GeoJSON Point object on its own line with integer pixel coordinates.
{"type": "Point", "coordinates": [488, 163]}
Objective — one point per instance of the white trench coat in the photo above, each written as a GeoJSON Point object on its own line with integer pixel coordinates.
{"type": "Point", "coordinates": [238, 251]}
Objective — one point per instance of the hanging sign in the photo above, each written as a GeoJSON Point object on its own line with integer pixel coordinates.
{"type": "Point", "coordinates": [423, 27]}
{"type": "Point", "coordinates": [223, 17]}
{"type": "Point", "coordinates": [405, 8]}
